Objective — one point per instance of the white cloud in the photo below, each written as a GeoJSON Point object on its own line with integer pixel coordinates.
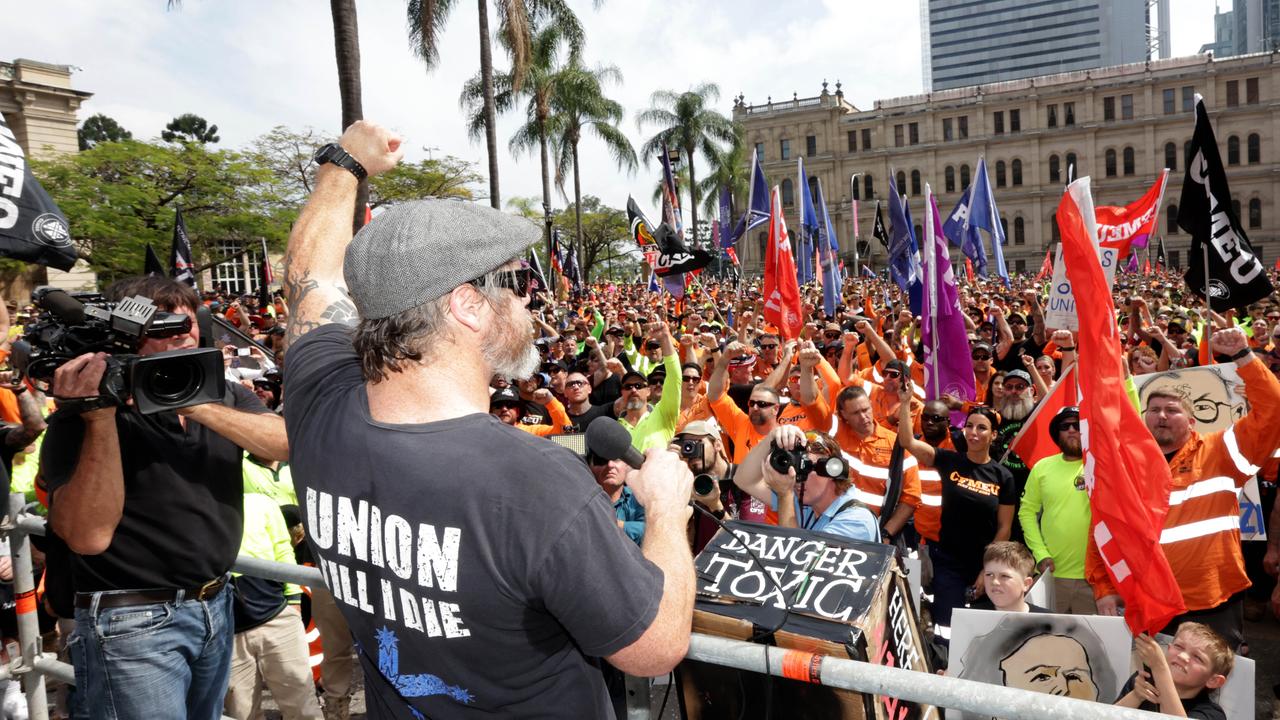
{"type": "Point", "coordinates": [250, 66]}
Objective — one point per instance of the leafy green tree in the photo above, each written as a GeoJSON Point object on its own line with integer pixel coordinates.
{"type": "Point", "coordinates": [730, 167]}
{"type": "Point", "coordinates": [119, 196]}
{"type": "Point", "coordinates": [606, 235]}
{"type": "Point", "coordinates": [440, 177]}
{"type": "Point", "coordinates": [686, 124]}
{"type": "Point", "coordinates": [98, 129]}
{"type": "Point", "coordinates": [287, 154]}
{"type": "Point", "coordinates": [189, 127]}
{"type": "Point", "coordinates": [579, 104]}
{"type": "Point", "coordinates": [526, 207]}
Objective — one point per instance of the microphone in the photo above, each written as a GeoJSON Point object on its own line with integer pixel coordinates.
{"type": "Point", "coordinates": [58, 302]}
{"type": "Point", "coordinates": [609, 440]}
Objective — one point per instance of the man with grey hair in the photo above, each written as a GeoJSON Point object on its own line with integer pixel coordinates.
{"type": "Point", "coordinates": [479, 567]}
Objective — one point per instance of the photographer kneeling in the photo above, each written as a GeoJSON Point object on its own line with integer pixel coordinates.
{"type": "Point", "coordinates": [151, 507]}
{"type": "Point", "coordinates": [813, 461]}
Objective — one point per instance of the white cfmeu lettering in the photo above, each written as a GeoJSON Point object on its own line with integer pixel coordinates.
{"type": "Point", "coordinates": [1244, 267]}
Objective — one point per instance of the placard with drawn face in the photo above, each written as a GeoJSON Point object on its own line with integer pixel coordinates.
{"type": "Point", "coordinates": [1080, 656]}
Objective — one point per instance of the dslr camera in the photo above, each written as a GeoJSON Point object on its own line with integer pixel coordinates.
{"type": "Point", "coordinates": [782, 460]}
{"type": "Point", "coordinates": [70, 325]}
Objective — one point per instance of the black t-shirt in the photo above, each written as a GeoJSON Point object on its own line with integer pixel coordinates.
{"type": "Point", "coordinates": [1200, 706]}
{"type": "Point", "coordinates": [607, 391]}
{"type": "Point", "coordinates": [971, 496]}
{"type": "Point", "coordinates": [183, 498]}
{"type": "Point", "coordinates": [533, 413]}
{"type": "Point", "coordinates": [1013, 360]}
{"type": "Point", "coordinates": [478, 566]}
{"type": "Point", "coordinates": [984, 603]}
{"type": "Point", "coordinates": [740, 394]}
{"type": "Point", "coordinates": [579, 423]}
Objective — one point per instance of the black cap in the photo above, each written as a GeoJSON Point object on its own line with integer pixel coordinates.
{"type": "Point", "coordinates": [633, 374]}
{"type": "Point", "coordinates": [1056, 423]}
{"type": "Point", "coordinates": [504, 396]}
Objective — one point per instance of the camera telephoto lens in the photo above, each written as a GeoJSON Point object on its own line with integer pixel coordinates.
{"type": "Point", "coordinates": [703, 485]}
{"type": "Point", "coordinates": [173, 382]}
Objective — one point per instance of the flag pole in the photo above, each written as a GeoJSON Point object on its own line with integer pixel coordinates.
{"type": "Point", "coordinates": [931, 272]}
{"type": "Point", "coordinates": [853, 201]}
{"type": "Point", "coordinates": [1208, 316]}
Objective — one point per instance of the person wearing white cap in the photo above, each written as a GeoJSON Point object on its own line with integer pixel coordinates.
{"type": "Point", "coordinates": [478, 567]}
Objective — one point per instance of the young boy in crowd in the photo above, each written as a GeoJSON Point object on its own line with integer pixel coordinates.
{"type": "Point", "coordinates": [1008, 572]}
{"type": "Point", "coordinates": [1178, 680]}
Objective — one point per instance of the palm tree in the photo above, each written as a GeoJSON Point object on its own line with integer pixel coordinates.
{"type": "Point", "coordinates": [730, 169]}
{"type": "Point", "coordinates": [579, 104]}
{"type": "Point", "coordinates": [427, 19]}
{"type": "Point", "coordinates": [346, 44]}
{"type": "Point", "coordinates": [687, 125]}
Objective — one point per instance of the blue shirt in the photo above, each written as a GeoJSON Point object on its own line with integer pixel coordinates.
{"type": "Point", "coordinates": [857, 522]}
{"type": "Point", "coordinates": [631, 513]}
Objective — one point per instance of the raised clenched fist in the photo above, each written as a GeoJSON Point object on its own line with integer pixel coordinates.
{"type": "Point", "coordinates": [373, 146]}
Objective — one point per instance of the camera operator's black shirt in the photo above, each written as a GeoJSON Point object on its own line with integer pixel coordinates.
{"type": "Point", "coordinates": [478, 566]}
{"type": "Point", "coordinates": [183, 503]}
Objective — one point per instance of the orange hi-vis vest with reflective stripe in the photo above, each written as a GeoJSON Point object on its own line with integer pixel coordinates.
{"type": "Point", "coordinates": [928, 516]}
{"type": "Point", "coordinates": [869, 467]}
{"type": "Point", "coordinates": [1201, 536]}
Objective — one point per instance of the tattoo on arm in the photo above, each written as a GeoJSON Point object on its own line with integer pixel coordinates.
{"type": "Point", "coordinates": [312, 304]}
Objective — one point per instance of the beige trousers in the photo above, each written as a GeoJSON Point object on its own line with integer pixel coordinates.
{"type": "Point", "coordinates": [273, 654]}
{"type": "Point", "coordinates": [337, 670]}
{"type": "Point", "coordinates": [1074, 597]}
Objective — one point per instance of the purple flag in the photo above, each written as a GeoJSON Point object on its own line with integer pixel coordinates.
{"type": "Point", "coordinates": [947, 368]}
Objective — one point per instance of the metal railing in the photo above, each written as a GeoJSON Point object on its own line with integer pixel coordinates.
{"type": "Point", "coordinates": [989, 700]}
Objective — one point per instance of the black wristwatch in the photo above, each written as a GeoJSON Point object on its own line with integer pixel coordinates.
{"type": "Point", "coordinates": [333, 153]}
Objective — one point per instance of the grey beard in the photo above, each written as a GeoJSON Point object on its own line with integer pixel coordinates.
{"type": "Point", "coordinates": [635, 404]}
{"type": "Point", "coordinates": [1015, 408]}
{"type": "Point", "coordinates": [508, 349]}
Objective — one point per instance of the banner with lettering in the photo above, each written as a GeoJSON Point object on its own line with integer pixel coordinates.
{"type": "Point", "coordinates": [32, 228]}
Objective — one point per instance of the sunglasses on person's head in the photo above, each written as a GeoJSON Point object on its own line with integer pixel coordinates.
{"type": "Point", "coordinates": [761, 404]}
{"type": "Point", "coordinates": [516, 280]}
{"type": "Point", "coordinates": [633, 386]}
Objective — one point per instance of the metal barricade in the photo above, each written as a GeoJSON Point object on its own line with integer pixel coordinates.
{"type": "Point", "coordinates": [990, 700]}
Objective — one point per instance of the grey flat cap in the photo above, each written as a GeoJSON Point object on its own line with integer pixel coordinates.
{"type": "Point", "coordinates": [418, 251]}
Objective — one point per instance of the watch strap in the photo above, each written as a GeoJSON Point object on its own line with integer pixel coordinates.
{"type": "Point", "coordinates": [334, 153]}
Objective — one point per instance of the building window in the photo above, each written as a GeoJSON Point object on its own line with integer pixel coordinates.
{"type": "Point", "coordinates": [853, 186]}
{"type": "Point", "coordinates": [1171, 156]}
{"type": "Point", "coordinates": [1019, 231]}
{"type": "Point", "coordinates": [919, 232]}
{"type": "Point", "coordinates": [1233, 93]}
{"type": "Point", "coordinates": [1255, 213]}
{"type": "Point", "coordinates": [1251, 91]}
{"type": "Point", "coordinates": [1004, 230]}
{"type": "Point", "coordinates": [1000, 174]}
{"type": "Point", "coordinates": [947, 135]}
{"type": "Point", "coordinates": [788, 192]}
{"type": "Point", "coordinates": [1175, 260]}
{"type": "Point", "coordinates": [1020, 266]}
{"type": "Point", "coordinates": [853, 140]}
{"type": "Point", "coordinates": [784, 149]}
{"type": "Point", "coordinates": [964, 126]}
{"type": "Point", "coordinates": [1108, 108]}
{"type": "Point", "coordinates": [949, 177]}
{"type": "Point", "coordinates": [1235, 207]}
{"type": "Point", "coordinates": [1188, 98]}
{"type": "Point", "coordinates": [915, 182]}
{"type": "Point", "coordinates": [900, 180]}
{"type": "Point", "coordinates": [1053, 115]}
{"type": "Point", "coordinates": [1017, 172]}
{"type": "Point", "coordinates": [1255, 149]}
{"type": "Point", "coordinates": [1169, 101]}
{"type": "Point", "coordinates": [1015, 121]}
{"type": "Point", "coordinates": [1233, 150]}
{"type": "Point", "coordinates": [1111, 162]}
{"type": "Point", "coordinates": [964, 177]}
{"type": "Point", "coordinates": [913, 133]}
{"type": "Point", "coordinates": [1054, 236]}
{"type": "Point", "coordinates": [1069, 113]}
{"type": "Point", "coordinates": [1186, 152]}
{"type": "Point", "coordinates": [866, 139]}
{"type": "Point", "coordinates": [813, 186]}
{"type": "Point", "coordinates": [810, 145]}
{"type": "Point", "coordinates": [1171, 220]}
{"type": "Point", "coordinates": [1072, 168]}
{"type": "Point", "coordinates": [760, 151]}
{"type": "Point", "coordinates": [1128, 161]}
{"type": "Point", "coordinates": [1055, 169]}
{"type": "Point", "coordinates": [241, 274]}
{"type": "Point", "coordinates": [868, 190]}
{"type": "Point", "coordinates": [1126, 107]}
{"type": "Point", "coordinates": [997, 120]}
{"type": "Point", "coordinates": [899, 139]}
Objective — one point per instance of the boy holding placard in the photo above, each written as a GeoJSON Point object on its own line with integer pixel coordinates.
{"type": "Point", "coordinates": [1178, 680]}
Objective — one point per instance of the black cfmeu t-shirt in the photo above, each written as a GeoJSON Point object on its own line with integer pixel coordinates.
{"type": "Point", "coordinates": [579, 423]}
{"type": "Point", "coordinates": [183, 498]}
{"type": "Point", "coordinates": [971, 496]}
{"type": "Point", "coordinates": [478, 566]}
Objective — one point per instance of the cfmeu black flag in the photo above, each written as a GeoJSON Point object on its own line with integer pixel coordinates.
{"type": "Point", "coordinates": [152, 265]}
{"type": "Point", "coordinates": [674, 258]}
{"type": "Point", "coordinates": [181, 267]}
{"type": "Point", "coordinates": [32, 228]}
{"type": "Point", "coordinates": [878, 231]}
{"type": "Point", "coordinates": [1234, 276]}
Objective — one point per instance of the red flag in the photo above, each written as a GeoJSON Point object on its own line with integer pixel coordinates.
{"type": "Point", "coordinates": [1134, 224]}
{"type": "Point", "coordinates": [1046, 269]}
{"type": "Point", "coordinates": [733, 255]}
{"type": "Point", "coordinates": [968, 268]}
{"type": "Point", "coordinates": [1033, 443]}
{"type": "Point", "coordinates": [781, 290]}
{"type": "Point", "coordinates": [368, 214]}
{"type": "Point", "coordinates": [1146, 266]}
{"type": "Point", "coordinates": [1127, 476]}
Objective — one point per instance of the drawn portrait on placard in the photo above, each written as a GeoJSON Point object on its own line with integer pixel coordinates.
{"type": "Point", "coordinates": [1214, 392]}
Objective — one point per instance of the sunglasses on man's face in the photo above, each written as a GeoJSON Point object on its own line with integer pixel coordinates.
{"type": "Point", "coordinates": [575, 383]}
{"type": "Point", "coordinates": [770, 346]}
{"type": "Point", "coordinates": [633, 386]}
{"type": "Point", "coordinates": [1069, 425]}
{"type": "Point", "coordinates": [982, 356]}
{"type": "Point", "coordinates": [692, 378]}
{"type": "Point", "coordinates": [930, 417]}
{"type": "Point", "coordinates": [761, 404]}
{"type": "Point", "coordinates": [517, 280]}
{"type": "Point", "coordinates": [892, 374]}
{"type": "Point", "coordinates": [831, 335]}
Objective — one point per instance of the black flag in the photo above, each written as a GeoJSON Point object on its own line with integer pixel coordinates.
{"type": "Point", "coordinates": [674, 258]}
{"type": "Point", "coordinates": [878, 231]}
{"type": "Point", "coordinates": [181, 267]}
{"type": "Point", "coordinates": [268, 277]}
{"type": "Point", "coordinates": [152, 265]}
{"type": "Point", "coordinates": [1234, 275]}
{"type": "Point", "coordinates": [539, 278]}
{"type": "Point", "coordinates": [32, 228]}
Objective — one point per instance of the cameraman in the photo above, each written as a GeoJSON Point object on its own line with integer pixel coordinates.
{"type": "Point", "coordinates": [152, 509]}
{"type": "Point", "coordinates": [700, 447]}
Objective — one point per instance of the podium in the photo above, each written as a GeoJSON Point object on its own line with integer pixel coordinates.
{"type": "Point", "coordinates": [821, 594]}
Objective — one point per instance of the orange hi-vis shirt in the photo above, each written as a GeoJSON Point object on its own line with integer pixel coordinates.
{"type": "Point", "coordinates": [735, 424]}
{"type": "Point", "coordinates": [928, 516]}
{"type": "Point", "coordinates": [816, 416]}
{"type": "Point", "coordinates": [1201, 536]}
{"type": "Point", "coordinates": [559, 421]}
{"type": "Point", "coordinates": [869, 467]}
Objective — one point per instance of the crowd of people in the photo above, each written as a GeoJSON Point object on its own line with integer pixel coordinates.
{"type": "Point", "coordinates": [402, 413]}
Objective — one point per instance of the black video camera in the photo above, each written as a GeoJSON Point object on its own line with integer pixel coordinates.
{"type": "Point", "coordinates": [70, 325]}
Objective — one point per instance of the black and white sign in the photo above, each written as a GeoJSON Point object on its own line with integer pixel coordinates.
{"type": "Point", "coordinates": [32, 228]}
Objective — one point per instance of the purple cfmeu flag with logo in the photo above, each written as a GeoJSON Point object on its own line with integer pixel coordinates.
{"type": "Point", "coordinates": [947, 367]}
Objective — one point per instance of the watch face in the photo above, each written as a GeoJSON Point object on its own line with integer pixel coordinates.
{"type": "Point", "coordinates": [325, 154]}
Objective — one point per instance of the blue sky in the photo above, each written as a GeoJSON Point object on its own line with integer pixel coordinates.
{"type": "Point", "coordinates": [248, 66]}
